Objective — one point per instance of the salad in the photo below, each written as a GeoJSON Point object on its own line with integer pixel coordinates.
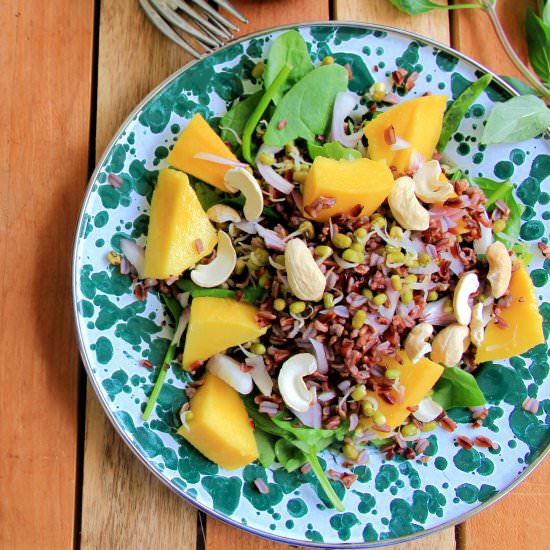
{"type": "Point", "coordinates": [333, 282]}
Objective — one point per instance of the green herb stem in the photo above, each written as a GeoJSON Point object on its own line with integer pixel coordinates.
{"type": "Point", "coordinates": [252, 122]}
{"type": "Point", "coordinates": [533, 81]}
{"type": "Point", "coordinates": [498, 194]}
{"type": "Point", "coordinates": [324, 482]}
{"type": "Point", "coordinates": [168, 358]}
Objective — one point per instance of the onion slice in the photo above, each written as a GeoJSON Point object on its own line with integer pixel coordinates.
{"type": "Point", "coordinates": [268, 173]}
{"type": "Point", "coordinates": [220, 160]}
{"type": "Point", "coordinates": [271, 239]}
{"type": "Point", "coordinates": [259, 374]}
{"type": "Point", "coordinates": [135, 254]}
{"type": "Point", "coordinates": [344, 104]}
{"type": "Point", "coordinates": [320, 355]}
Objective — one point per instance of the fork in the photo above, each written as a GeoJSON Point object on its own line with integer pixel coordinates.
{"type": "Point", "coordinates": [197, 20]}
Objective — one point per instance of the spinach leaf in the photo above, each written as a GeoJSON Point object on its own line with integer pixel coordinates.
{"type": "Point", "coordinates": [523, 252]}
{"type": "Point", "coordinates": [520, 86]}
{"type": "Point", "coordinates": [306, 109]}
{"type": "Point", "coordinates": [266, 447]}
{"type": "Point", "coordinates": [288, 455]}
{"type": "Point", "coordinates": [235, 119]}
{"type": "Point", "coordinates": [538, 43]}
{"type": "Point", "coordinates": [310, 437]}
{"type": "Point", "coordinates": [458, 388]}
{"type": "Point", "coordinates": [250, 294]}
{"type": "Point", "coordinates": [458, 108]}
{"type": "Point", "coordinates": [289, 48]}
{"type": "Point", "coordinates": [517, 119]}
{"type": "Point", "coordinates": [503, 190]}
{"type": "Point", "coordinates": [416, 7]}
{"type": "Point", "coordinates": [206, 194]}
{"type": "Point", "coordinates": [332, 150]}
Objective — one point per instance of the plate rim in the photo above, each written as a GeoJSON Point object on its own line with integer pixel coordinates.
{"type": "Point", "coordinates": [84, 352]}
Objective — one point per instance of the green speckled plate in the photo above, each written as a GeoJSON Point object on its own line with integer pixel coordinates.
{"type": "Point", "coordinates": [391, 501]}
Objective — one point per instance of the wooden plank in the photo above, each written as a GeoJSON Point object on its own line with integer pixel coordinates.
{"type": "Point", "coordinates": [469, 25]}
{"type": "Point", "coordinates": [527, 504]}
{"type": "Point", "coordinates": [124, 506]}
{"type": "Point", "coordinates": [44, 134]}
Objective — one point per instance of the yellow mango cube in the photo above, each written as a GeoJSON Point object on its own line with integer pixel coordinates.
{"type": "Point", "coordinates": [198, 137]}
{"type": "Point", "coordinates": [418, 379]}
{"type": "Point", "coordinates": [180, 233]}
{"type": "Point", "coordinates": [216, 324]}
{"type": "Point", "coordinates": [524, 321]}
{"type": "Point", "coordinates": [219, 427]}
{"type": "Point", "coordinates": [417, 121]}
{"type": "Point", "coordinates": [351, 182]}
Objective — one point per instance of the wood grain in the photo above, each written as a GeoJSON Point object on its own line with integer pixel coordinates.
{"type": "Point", "coordinates": [123, 505]}
{"type": "Point", "coordinates": [520, 519]}
{"type": "Point", "coordinates": [44, 135]}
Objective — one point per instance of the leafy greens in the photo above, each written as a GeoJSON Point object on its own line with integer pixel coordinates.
{"type": "Point", "coordinates": [458, 388]}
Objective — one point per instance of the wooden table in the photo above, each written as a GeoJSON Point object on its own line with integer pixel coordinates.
{"type": "Point", "coordinates": [70, 73]}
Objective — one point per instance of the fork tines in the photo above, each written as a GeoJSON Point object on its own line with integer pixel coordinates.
{"type": "Point", "coordinates": [194, 25]}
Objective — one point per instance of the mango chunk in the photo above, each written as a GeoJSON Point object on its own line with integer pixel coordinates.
{"type": "Point", "coordinates": [176, 225]}
{"type": "Point", "coordinates": [351, 182]}
{"type": "Point", "coordinates": [198, 137]}
{"type": "Point", "coordinates": [524, 321]}
{"type": "Point", "coordinates": [417, 121]}
{"type": "Point", "coordinates": [219, 427]}
{"type": "Point", "coordinates": [418, 380]}
{"type": "Point", "coordinates": [217, 324]}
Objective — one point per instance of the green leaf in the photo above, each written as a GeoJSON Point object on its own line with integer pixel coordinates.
{"type": "Point", "coordinates": [523, 252]}
{"type": "Point", "coordinates": [503, 190]}
{"type": "Point", "coordinates": [538, 43]}
{"type": "Point", "coordinates": [416, 7]}
{"type": "Point", "coordinates": [458, 109]}
{"type": "Point", "coordinates": [289, 455]}
{"type": "Point", "coordinates": [546, 13]}
{"type": "Point", "coordinates": [458, 388]}
{"type": "Point", "coordinates": [266, 447]}
{"type": "Point", "coordinates": [332, 150]}
{"type": "Point", "coordinates": [289, 48]}
{"type": "Point", "coordinates": [520, 86]}
{"type": "Point", "coordinates": [306, 109]}
{"type": "Point", "coordinates": [235, 119]}
{"type": "Point", "coordinates": [206, 194]}
{"type": "Point", "coordinates": [517, 119]}
{"type": "Point", "coordinates": [172, 305]}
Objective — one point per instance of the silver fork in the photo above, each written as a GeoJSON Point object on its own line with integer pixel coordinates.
{"type": "Point", "coordinates": [197, 20]}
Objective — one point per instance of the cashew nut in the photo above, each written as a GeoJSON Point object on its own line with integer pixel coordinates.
{"type": "Point", "coordinates": [416, 345]}
{"type": "Point", "coordinates": [305, 279]}
{"type": "Point", "coordinates": [428, 187]}
{"type": "Point", "coordinates": [428, 410]}
{"type": "Point", "coordinates": [239, 179]}
{"type": "Point", "coordinates": [220, 213]}
{"type": "Point", "coordinates": [477, 325]}
{"type": "Point", "coordinates": [404, 205]}
{"type": "Point", "coordinates": [500, 268]}
{"type": "Point", "coordinates": [292, 387]}
{"type": "Point", "coordinates": [230, 372]}
{"type": "Point", "coordinates": [467, 285]}
{"type": "Point", "coordinates": [449, 344]}
{"type": "Point", "coordinates": [220, 268]}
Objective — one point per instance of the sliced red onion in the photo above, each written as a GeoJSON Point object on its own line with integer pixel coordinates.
{"type": "Point", "coordinates": [171, 280]}
{"type": "Point", "coordinates": [356, 300]}
{"type": "Point", "coordinates": [125, 266]}
{"type": "Point", "coordinates": [451, 212]}
{"type": "Point", "coordinates": [332, 279]}
{"type": "Point", "coordinates": [135, 254]}
{"type": "Point", "coordinates": [271, 239]}
{"type": "Point", "coordinates": [353, 422]}
{"type": "Point", "coordinates": [326, 396]}
{"type": "Point", "coordinates": [344, 385]}
{"type": "Point", "coordinates": [220, 160]}
{"type": "Point", "coordinates": [259, 374]}
{"type": "Point", "coordinates": [341, 311]}
{"type": "Point", "coordinates": [298, 199]}
{"type": "Point", "coordinates": [400, 144]}
{"type": "Point", "coordinates": [435, 314]}
{"type": "Point", "coordinates": [344, 104]}
{"type": "Point", "coordinates": [247, 227]}
{"type": "Point", "coordinates": [456, 266]}
{"type": "Point", "coordinates": [388, 309]}
{"type": "Point", "coordinates": [114, 180]}
{"type": "Point", "coordinates": [320, 355]}
{"type": "Point", "coordinates": [268, 173]}
{"type": "Point", "coordinates": [484, 241]}
{"type": "Point", "coordinates": [312, 417]}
